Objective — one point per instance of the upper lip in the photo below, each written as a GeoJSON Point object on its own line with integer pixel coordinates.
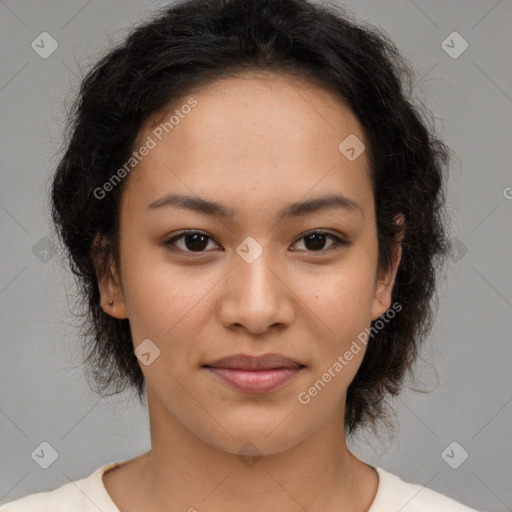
{"type": "Point", "coordinates": [249, 362]}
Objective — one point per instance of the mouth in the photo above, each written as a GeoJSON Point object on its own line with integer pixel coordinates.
{"type": "Point", "coordinates": [250, 362]}
{"type": "Point", "coordinates": [255, 374]}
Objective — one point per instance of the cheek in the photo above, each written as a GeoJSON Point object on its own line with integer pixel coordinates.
{"type": "Point", "coordinates": [342, 295]}
{"type": "Point", "coordinates": [169, 304]}
{"type": "Point", "coordinates": [157, 294]}
{"type": "Point", "coordinates": [340, 311]}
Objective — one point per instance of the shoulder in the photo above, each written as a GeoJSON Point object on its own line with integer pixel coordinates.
{"type": "Point", "coordinates": [85, 495]}
{"type": "Point", "coordinates": [395, 494]}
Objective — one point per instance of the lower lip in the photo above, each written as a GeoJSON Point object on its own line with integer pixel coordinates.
{"type": "Point", "coordinates": [255, 381]}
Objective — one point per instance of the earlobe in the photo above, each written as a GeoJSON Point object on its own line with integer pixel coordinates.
{"type": "Point", "coordinates": [109, 284]}
{"type": "Point", "coordinates": [112, 298]}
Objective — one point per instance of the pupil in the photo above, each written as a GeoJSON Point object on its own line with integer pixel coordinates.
{"type": "Point", "coordinates": [318, 241]}
{"type": "Point", "coordinates": [197, 244]}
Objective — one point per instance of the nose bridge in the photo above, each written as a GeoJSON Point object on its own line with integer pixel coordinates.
{"type": "Point", "coordinates": [257, 296]}
{"type": "Point", "coordinates": [253, 270]}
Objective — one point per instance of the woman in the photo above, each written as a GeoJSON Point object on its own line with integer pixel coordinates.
{"type": "Point", "coordinates": [254, 211]}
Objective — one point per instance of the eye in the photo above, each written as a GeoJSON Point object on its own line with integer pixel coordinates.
{"type": "Point", "coordinates": [315, 240]}
{"type": "Point", "coordinates": [193, 241]}
{"type": "Point", "coordinates": [196, 241]}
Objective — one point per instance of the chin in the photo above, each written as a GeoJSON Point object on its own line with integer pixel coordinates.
{"type": "Point", "coordinates": [257, 437]}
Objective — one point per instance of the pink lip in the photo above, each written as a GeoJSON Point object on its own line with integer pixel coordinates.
{"type": "Point", "coordinates": [255, 381]}
{"type": "Point", "coordinates": [253, 362]}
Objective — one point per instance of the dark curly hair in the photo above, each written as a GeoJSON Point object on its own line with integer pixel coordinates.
{"type": "Point", "coordinates": [193, 43]}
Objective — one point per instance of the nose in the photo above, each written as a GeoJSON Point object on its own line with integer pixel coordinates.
{"type": "Point", "coordinates": [257, 296]}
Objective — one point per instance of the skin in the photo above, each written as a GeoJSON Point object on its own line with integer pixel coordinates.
{"type": "Point", "coordinates": [255, 143]}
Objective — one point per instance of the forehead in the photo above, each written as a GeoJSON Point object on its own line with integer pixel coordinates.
{"type": "Point", "coordinates": [258, 107]}
{"type": "Point", "coordinates": [251, 133]}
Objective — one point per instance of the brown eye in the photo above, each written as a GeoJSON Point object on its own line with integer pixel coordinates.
{"type": "Point", "coordinates": [192, 241]}
{"type": "Point", "coordinates": [316, 240]}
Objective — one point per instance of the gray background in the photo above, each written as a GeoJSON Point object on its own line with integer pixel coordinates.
{"type": "Point", "coordinates": [44, 395]}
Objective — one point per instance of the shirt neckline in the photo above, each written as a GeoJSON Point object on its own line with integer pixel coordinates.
{"type": "Point", "coordinates": [105, 497]}
{"type": "Point", "coordinates": [380, 502]}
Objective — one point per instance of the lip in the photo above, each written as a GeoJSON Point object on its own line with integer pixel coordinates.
{"type": "Point", "coordinates": [252, 362]}
{"type": "Point", "coordinates": [255, 374]}
{"type": "Point", "coordinates": [255, 381]}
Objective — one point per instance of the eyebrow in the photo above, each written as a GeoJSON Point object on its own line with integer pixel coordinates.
{"type": "Point", "coordinates": [297, 209]}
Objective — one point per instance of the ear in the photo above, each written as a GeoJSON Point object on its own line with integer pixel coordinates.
{"type": "Point", "coordinates": [108, 277]}
{"type": "Point", "coordinates": [386, 279]}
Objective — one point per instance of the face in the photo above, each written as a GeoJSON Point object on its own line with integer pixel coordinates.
{"type": "Point", "coordinates": [253, 276]}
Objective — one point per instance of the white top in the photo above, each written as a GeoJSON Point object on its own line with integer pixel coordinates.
{"type": "Point", "coordinates": [90, 495]}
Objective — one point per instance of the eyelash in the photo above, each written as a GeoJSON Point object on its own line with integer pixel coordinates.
{"type": "Point", "coordinates": [337, 241]}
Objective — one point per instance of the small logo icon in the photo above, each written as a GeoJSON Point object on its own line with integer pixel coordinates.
{"type": "Point", "coordinates": [249, 249]}
{"type": "Point", "coordinates": [454, 45]}
{"type": "Point", "coordinates": [351, 147]}
{"type": "Point", "coordinates": [45, 455]}
{"type": "Point", "coordinates": [249, 455]}
{"type": "Point", "coordinates": [147, 352]}
{"type": "Point", "coordinates": [44, 45]}
{"type": "Point", "coordinates": [43, 249]}
{"type": "Point", "coordinates": [454, 455]}
{"type": "Point", "coordinates": [458, 249]}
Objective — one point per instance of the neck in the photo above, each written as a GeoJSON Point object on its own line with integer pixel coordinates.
{"type": "Point", "coordinates": [318, 473]}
